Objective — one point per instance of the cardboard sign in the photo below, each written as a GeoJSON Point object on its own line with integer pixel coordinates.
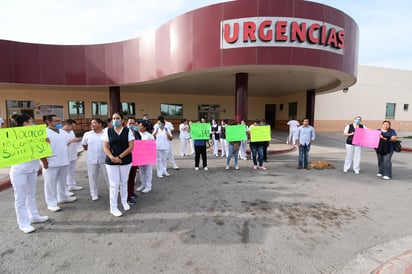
{"type": "Point", "coordinates": [236, 133]}
{"type": "Point", "coordinates": [23, 144]}
{"type": "Point", "coordinates": [260, 134]}
{"type": "Point", "coordinates": [366, 137]}
{"type": "Point", "coordinates": [200, 131]}
{"type": "Point", "coordinates": [144, 152]}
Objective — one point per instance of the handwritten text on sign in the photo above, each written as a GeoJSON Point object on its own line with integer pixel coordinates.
{"type": "Point", "coordinates": [200, 131]}
{"type": "Point", "coordinates": [144, 152]}
{"type": "Point", "coordinates": [260, 133]}
{"type": "Point", "coordinates": [23, 144]}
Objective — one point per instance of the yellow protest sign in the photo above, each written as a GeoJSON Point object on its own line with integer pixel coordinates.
{"type": "Point", "coordinates": [260, 133]}
{"type": "Point", "coordinates": [23, 144]}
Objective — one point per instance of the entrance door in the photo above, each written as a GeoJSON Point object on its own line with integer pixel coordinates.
{"type": "Point", "coordinates": [270, 115]}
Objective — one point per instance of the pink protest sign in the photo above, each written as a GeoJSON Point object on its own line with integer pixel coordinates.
{"type": "Point", "coordinates": [366, 137]}
{"type": "Point", "coordinates": [144, 152]}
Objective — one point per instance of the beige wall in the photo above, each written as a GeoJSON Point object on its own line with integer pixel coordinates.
{"type": "Point", "coordinates": [144, 102]}
{"type": "Point", "coordinates": [368, 98]}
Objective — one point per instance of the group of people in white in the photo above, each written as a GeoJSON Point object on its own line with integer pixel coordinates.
{"type": "Point", "coordinates": [108, 153]}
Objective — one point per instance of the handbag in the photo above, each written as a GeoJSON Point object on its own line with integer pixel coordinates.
{"type": "Point", "coordinates": [397, 146]}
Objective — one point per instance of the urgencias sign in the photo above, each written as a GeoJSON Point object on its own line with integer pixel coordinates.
{"type": "Point", "coordinates": [281, 32]}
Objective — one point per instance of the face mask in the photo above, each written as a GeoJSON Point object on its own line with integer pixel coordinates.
{"type": "Point", "coordinates": [133, 128]}
{"type": "Point", "coordinates": [160, 126]}
{"type": "Point", "coordinates": [357, 122]}
{"type": "Point", "coordinates": [58, 126]}
{"type": "Point", "coordinates": [117, 123]}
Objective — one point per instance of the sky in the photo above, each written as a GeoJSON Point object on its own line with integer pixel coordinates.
{"type": "Point", "coordinates": [385, 26]}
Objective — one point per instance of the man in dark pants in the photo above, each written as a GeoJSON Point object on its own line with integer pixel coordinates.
{"type": "Point", "coordinates": [131, 196]}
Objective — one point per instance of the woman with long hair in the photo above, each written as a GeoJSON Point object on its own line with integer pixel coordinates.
{"type": "Point", "coordinates": [118, 144]}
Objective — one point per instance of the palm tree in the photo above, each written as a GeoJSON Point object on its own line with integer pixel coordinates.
{"type": "Point", "coordinates": [77, 105]}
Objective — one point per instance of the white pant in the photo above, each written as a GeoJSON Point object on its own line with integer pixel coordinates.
{"type": "Point", "coordinates": [146, 172]}
{"type": "Point", "coordinates": [70, 173]}
{"type": "Point", "coordinates": [93, 174]}
{"type": "Point", "coordinates": [353, 153]}
{"type": "Point", "coordinates": [225, 147]}
{"type": "Point", "coordinates": [183, 145]}
{"type": "Point", "coordinates": [215, 146]}
{"type": "Point", "coordinates": [55, 188]}
{"type": "Point", "coordinates": [24, 186]}
{"type": "Point", "coordinates": [118, 176]}
{"type": "Point", "coordinates": [242, 149]}
{"type": "Point", "coordinates": [293, 136]}
{"type": "Point", "coordinates": [161, 156]}
{"type": "Point", "coordinates": [170, 156]}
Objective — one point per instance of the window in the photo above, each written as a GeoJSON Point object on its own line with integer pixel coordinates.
{"type": "Point", "coordinates": [128, 108]}
{"type": "Point", "coordinates": [171, 110]}
{"type": "Point", "coordinates": [405, 107]}
{"type": "Point", "coordinates": [100, 109]}
{"type": "Point", "coordinates": [293, 109]}
{"type": "Point", "coordinates": [208, 112]}
{"type": "Point", "coordinates": [76, 108]}
{"type": "Point", "coordinates": [281, 107]}
{"type": "Point", "coordinates": [390, 111]}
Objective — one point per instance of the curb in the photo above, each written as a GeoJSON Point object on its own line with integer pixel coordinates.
{"type": "Point", "coordinates": [406, 149]}
{"type": "Point", "coordinates": [401, 264]}
{"type": "Point", "coordinates": [6, 183]}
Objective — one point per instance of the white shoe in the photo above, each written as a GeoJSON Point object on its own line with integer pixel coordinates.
{"type": "Point", "coordinates": [205, 168]}
{"type": "Point", "coordinates": [54, 208]}
{"type": "Point", "coordinates": [146, 190]}
{"type": "Point", "coordinates": [126, 207]}
{"type": "Point", "coordinates": [140, 188]}
{"type": "Point", "coordinates": [175, 167]}
{"type": "Point", "coordinates": [227, 167]}
{"type": "Point", "coordinates": [68, 200]}
{"type": "Point", "coordinates": [386, 177]}
{"type": "Point", "coordinates": [39, 219]}
{"type": "Point", "coordinates": [356, 172]}
{"type": "Point", "coordinates": [196, 168]}
{"type": "Point", "coordinates": [75, 187]}
{"type": "Point", "coordinates": [160, 176]}
{"type": "Point", "coordinates": [95, 198]}
{"type": "Point", "coordinates": [116, 212]}
{"type": "Point", "coordinates": [345, 171]}
{"type": "Point", "coordinates": [166, 174]}
{"type": "Point", "coordinates": [69, 193]}
{"type": "Point", "coordinates": [27, 229]}
{"type": "Point", "coordinates": [237, 167]}
{"type": "Point", "coordinates": [379, 175]}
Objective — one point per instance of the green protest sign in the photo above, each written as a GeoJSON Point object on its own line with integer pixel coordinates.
{"type": "Point", "coordinates": [260, 133]}
{"type": "Point", "coordinates": [236, 133]}
{"type": "Point", "coordinates": [200, 131]}
{"type": "Point", "coordinates": [23, 144]}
